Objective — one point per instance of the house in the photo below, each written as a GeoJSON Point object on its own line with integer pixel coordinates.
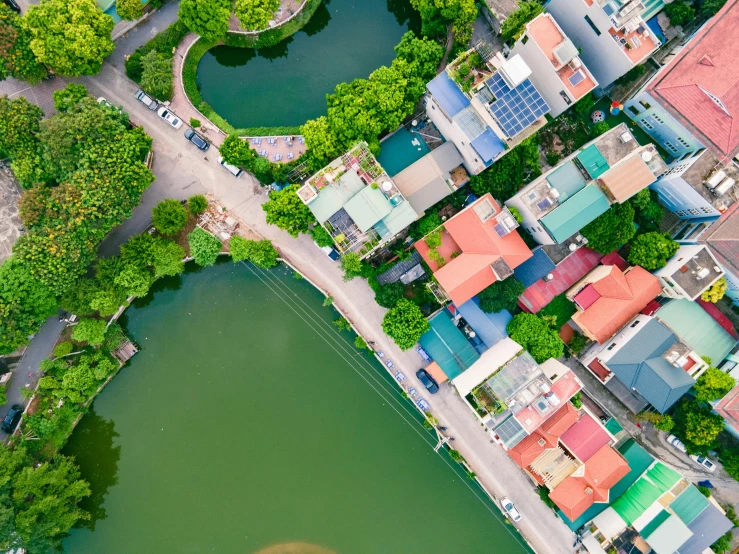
{"type": "Point", "coordinates": [607, 298]}
{"type": "Point", "coordinates": [728, 408]}
{"type": "Point", "coordinates": [511, 394]}
{"type": "Point", "coordinates": [688, 273]}
{"type": "Point", "coordinates": [357, 202]}
{"type": "Point", "coordinates": [447, 345]}
{"type": "Point", "coordinates": [692, 103]}
{"type": "Point", "coordinates": [479, 246]}
{"type": "Point", "coordinates": [485, 106]}
{"type": "Point", "coordinates": [432, 178]}
{"type": "Point", "coordinates": [645, 364]}
{"type": "Point", "coordinates": [611, 35]}
{"type": "Point", "coordinates": [611, 168]}
{"type": "Point", "coordinates": [660, 512]}
{"type": "Point", "coordinates": [557, 71]}
{"type": "Point", "coordinates": [722, 239]}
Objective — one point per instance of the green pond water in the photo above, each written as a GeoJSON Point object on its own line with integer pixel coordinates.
{"type": "Point", "coordinates": [247, 422]}
{"type": "Point", "coordinates": [287, 83]}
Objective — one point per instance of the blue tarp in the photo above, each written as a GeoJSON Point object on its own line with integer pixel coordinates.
{"type": "Point", "coordinates": [488, 145]}
{"type": "Point", "coordinates": [535, 268]}
{"type": "Point", "coordinates": [447, 94]}
{"type": "Point", "coordinates": [653, 25]}
{"type": "Point", "coordinates": [489, 327]}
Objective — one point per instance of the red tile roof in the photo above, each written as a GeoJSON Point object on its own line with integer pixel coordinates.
{"type": "Point", "coordinates": [587, 297]}
{"type": "Point", "coordinates": [728, 408]}
{"type": "Point", "coordinates": [585, 438]}
{"type": "Point", "coordinates": [707, 65]}
{"type": "Point", "coordinates": [478, 246]}
{"type": "Point", "coordinates": [622, 296]}
{"type": "Point", "coordinates": [529, 449]}
{"type": "Point", "coordinates": [592, 484]}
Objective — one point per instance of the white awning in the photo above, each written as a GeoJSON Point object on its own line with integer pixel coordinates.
{"type": "Point", "coordinates": [490, 361]}
{"type": "Point", "coordinates": [609, 523]}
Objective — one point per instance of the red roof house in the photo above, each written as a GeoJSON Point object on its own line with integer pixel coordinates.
{"type": "Point", "coordinates": [728, 408]}
{"type": "Point", "coordinates": [591, 483]}
{"type": "Point", "coordinates": [546, 436]}
{"type": "Point", "coordinates": [585, 438]}
{"type": "Point", "coordinates": [700, 87]}
{"type": "Point", "coordinates": [608, 298]}
{"type": "Point", "coordinates": [479, 246]}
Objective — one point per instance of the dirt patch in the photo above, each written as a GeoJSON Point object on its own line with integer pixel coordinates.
{"type": "Point", "coordinates": [34, 405]}
{"type": "Point", "coordinates": [181, 237]}
{"type": "Point", "coordinates": [295, 548]}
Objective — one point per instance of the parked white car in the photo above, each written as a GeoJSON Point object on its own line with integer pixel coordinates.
{"type": "Point", "coordinates": [510, 509]}
{"type": "Point", "coordinates": [169, 117]}
{"type": "Point", "coordinates": [675, 442]}
{"type": "Point", "coordinates": [707, 463]}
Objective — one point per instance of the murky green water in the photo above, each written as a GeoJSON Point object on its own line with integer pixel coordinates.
{"type": "Point", "coordinates": [238, 427]}
{"type": "Point", "coordinates": [287, 83]}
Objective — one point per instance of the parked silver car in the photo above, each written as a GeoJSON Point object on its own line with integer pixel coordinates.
{"type": "Point", "coordinates": [147, 100]}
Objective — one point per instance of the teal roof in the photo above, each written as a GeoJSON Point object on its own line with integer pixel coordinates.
{"type": "Point", "coordinates": [574, 214]}
{"type": "Point", "coordinates": [368, 207]}
{"type": "Point", "coordinates": [652, 526]}
{"type": "Point", "coordinates": [697, 329]}
{"type": "Point", "coordinates": [593, 161]}
{"type": "Point", "coordinates": [398, 219]}
{"type": "Point", "coordinates": [689, 504]}
{"type": "Point", "coordinates": [400, 150]}
{"type": "Point", "coordinates": [448, 346]}
{"type": "Point", "coordinates": [332, 198]}
{"type": "Point", "coordinates": [567, 179]}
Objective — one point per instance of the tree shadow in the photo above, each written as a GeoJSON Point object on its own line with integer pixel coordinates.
{"type": "Point", "coordinates": [92, 445]}
{"type": "Point", "coordinates": [404, 13]}
{"type": "Point", "coordinates": [232, 56]}
{"type": "Point", "coordinates": [318, 22]}
{"type": "Point", "coordinates": [162, 284]}
{"type": "Point", "coordinates": [279, 50]}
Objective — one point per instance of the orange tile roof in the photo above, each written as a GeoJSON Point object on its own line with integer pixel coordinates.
{"type": "Point", "coordinates": [478, 246]}
{"type": "Point", "coordinates": [529, 449]}
{"type": "Point", "coordinates": [563, 419]}
{"type": "Point", "coordinates": [622, 296]}
{"type": "Point", "coordinates": [601, 472]}
{"type": "Point", "coordinates": [627, 178]}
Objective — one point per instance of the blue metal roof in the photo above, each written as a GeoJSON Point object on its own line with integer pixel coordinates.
{"type": "Point", "coordinates": [491, 328]}
{"type": "Point", "coordinates": [447, 94]}
{"type": "Point", "coordinates": [535, 268]}
{"type": "Point", "coordinates": [488, 145]}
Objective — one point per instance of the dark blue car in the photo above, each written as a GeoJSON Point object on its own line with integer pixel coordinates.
{"type": "Point", "coordinates": [431, 385]}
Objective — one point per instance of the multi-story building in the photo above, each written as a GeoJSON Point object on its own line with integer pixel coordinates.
{"type": "Point", "coordinates": [611, 168]}
{"type": "Point", "coordinates": [357, 202]}
{"type": "Point", "coordinates": [611, 34]}
{"type": "Point", "coordinates": [689, 272]}
{"type": "Point", "coordinates": [693, 102]}
{"type": "Point", "coordinates": [557, 71]}
{"type": "Point", "coordinates": [722, 239]}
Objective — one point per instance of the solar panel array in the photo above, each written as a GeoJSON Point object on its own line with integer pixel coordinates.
{"type": "Point", "coordinates": [515, 109]}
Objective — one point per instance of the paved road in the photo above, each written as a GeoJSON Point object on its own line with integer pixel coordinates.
{"type": "Point", "coordinates": [181, 170]}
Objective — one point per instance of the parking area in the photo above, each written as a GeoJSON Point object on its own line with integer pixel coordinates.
{"type": "Point", "coordinates": [40, 94]}
{"type": "Point", "coordinates": [10, 221]}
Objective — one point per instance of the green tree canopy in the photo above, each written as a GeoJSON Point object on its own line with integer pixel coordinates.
{"type": "Point", "coordinates": [611, 229]}
{"type": "Point", "coordinates": [712, 385]}
{"type": "Point", "coordinates": [133, 281]}
{"type": "Point", "coordinates": [204, 247]}
{"type": "Point", "coordinates": [388, 295]}
{"type": "Point", "coordinates": [259, 252]}
{"type": "Point", "coordinates": [423, 226]}
{"type": "Point", "coordinates": [254, 15]}
{"type": "Point", "coordinates": [287, 211]}
{"type": "Point", "coordinates": [73, 38]}
{"type": "Point", "coordinates": [17, 60]}
{"type": "Point", "coordinates": [652, 250]}
{"type": "Point", "coordinates": [19, 127]}
{"type": "Point", "coordinates": [167, 258]}
{"type": "Point", "coordinates": [68, 96]}
{"type": "Point", "coordinates": [437, 14]}
{"type": "Point", "coordinates": [679, 12]}
{"type": "Point", "coordinates": [321, 140]}
{"type": "Point", "coordinates": [534, 335]}
{"type": "Point", "coordinates": [197, 204]}
{"type": "Point", "coordinates": [505, 176]}
{"type": "Point", "coordinates": [129, 9]}
{"type": "Point", "coordinates": [207, 18]}
{"type": "Point", "coordinates": [236, 151]}
{"type": "Point", "coordinates": [405, 323]}
{"type": "Point", "coordinates": [91, 331]}
{"type": "Point", "coordinates": [25, 303]}
{"type": "Point", "coordinates": [169, 217]}
{"type": "Point", "coordinates": [156, 74]}
{"type": "Point", "coordinates": [697, 426]}
{"type": "Point", "coordinates": [515, 24]}
{"type": "Point", "coordinates": [321, 236]}
{"type": "Point", "coordinates": [352, 265]}
{"type": "Point", "coordinates": [139, 250]}
{"type": "Point", "coordinates": [501, 295]}
{"type": "Point", "coordinates": [716, 291]}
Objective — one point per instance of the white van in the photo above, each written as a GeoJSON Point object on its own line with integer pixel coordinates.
{"type": "Point", "coordinates": [235, 171]}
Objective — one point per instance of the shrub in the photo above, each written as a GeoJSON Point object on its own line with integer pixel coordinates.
{"type": "Point", "coordinates": [164, 43]}
{"type": "Point", "coordinates": [197, 204]}
{"type": "Point", "coordinates": [91, 331]}
{"type": "Point", "coordinates": [405, 323]}
{"type": "Point", "coordinates": [534, 335]}
{"type": "Point", "coordinates": [360, 343]}
{"type": "Point", "coordinates": [577, 343]}
{"type": "Point", "coordinates": [456, 456]}
{"type": "Point", "coordinates": [433, 240]}
{"type": "Point", "coordinates": [712, 385]}
{"type": "Point", "coordinates": [328, 300]}
{"type": "Point", "coordinates": [501, 295]}
{"type": "Point", "coordinates": [62, 349]}
{"type": "Point", "coordinates": [663, 422]}
{"type": "Point", "coordinates": [705, 491]}
{"type": "Point", "coordinates": [129, 9]}
{"type": "Point", "coordinates": [194, 123]}
{"type": "Point", "coordinates": [259, 252]}
{"type": "Point", "coordinates": [342, 324]}
{"type": "Point", "coordinates": [169, 217]}
{"type": "Point", "coordinates": [560, 308]}
{"type": "Point", "coordinates": [425, 225]}
{"type": "Point", "coordinates": [3, 396]}
{"type": "Point", "coordinates": [716, 291]}
{"type": "Point", "coordinates": [156, 75]}
{"type": "Point", "coordinates": [652, 250]}
{"type": "Point", "coordinates": [515, 23]}
{"type": "Point", "coordinates": [352, 265]}
{"type": "Point", "coordinates": [576, 400]}
{"type": "Point", "coordinates": [204, 247]}
{"type": "Point", "coordinates": [321, 236]}
{"type": "Point", "coordinates": [723, 544]}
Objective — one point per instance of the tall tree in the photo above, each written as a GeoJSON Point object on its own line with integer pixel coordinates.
{"type": "Point", "coordinates": [321, 140]}
{"type": "Point", "coordinates": [71, 37]}
{"type": "Point", "coordinates": [207, 18]}
{"type": "Point", "coordinates": [169, 216]}
{"type": "Point", "coordinates": [25, 303]}
{"type": "Point", "coordinates": [288, 212]}
{"type": "Point", "coordinates": [17, 60]}
{"type": "Point", "coordinates": [156, 74]}
{"type": "Point", "coordinates": [19, 126]}
{"type": "Point", "coordinates": [514, 25]}
{"type": "Point", "coordinates": [611, 229]}
{"type": "Point", "coordinates": [501, 295]}
{"type": "Point", "coordinates": [129, 9]}
{"type": "Point", "coordinates": [652, 250]}
{"type": "Point", "coordinates": [534, 335]}
{"type": "Point", "coordinates": [405, 323]}
{"type": "Point", "coordinates": [167, 259]}
{"type": "Point", "coordinates": [713, 384]}
{"type": "Point", "coordinates": [69, 96]}
{"type": "Point", "coordinates": [254, 15]}
{"type": "Point", "coordinates": [204, 247]}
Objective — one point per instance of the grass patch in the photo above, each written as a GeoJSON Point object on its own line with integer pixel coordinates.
{"type": "Point", "coordinates": [561, 308]}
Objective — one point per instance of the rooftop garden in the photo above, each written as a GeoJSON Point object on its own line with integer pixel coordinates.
{"type": "Point", "coordinates": [486, 400]}
{"type": "Point", "coordinates": [469, 70]}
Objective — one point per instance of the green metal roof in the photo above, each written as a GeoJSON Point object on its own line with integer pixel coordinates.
{"type": "Point", "coordinates": [613, 426]}
{"type": "Point", "coordinates": [697, 329]}
{"type": "Point", "coordinates": [635, 501]}
{"type": "Point", "coordinates": [689, 504]}
{"type": "Point", "coordinates": [368, 207]}
{"type": "Point", "coordinates": [567, 179]}
{"type": "Point", "coordinates": [593, 161]}
{"type": "Point", "coordinates": [399, 218]}
{"type": "Point", "coordinates": [574, 214]}
{"type": "Point", "coordinates": [651, 527]}
{"type": "Point", "coordinates": [663, 477]}
{"type": "Point", "coordinates": [448, 346]}
{"type": "Point", "coordinates": [332, 197]}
